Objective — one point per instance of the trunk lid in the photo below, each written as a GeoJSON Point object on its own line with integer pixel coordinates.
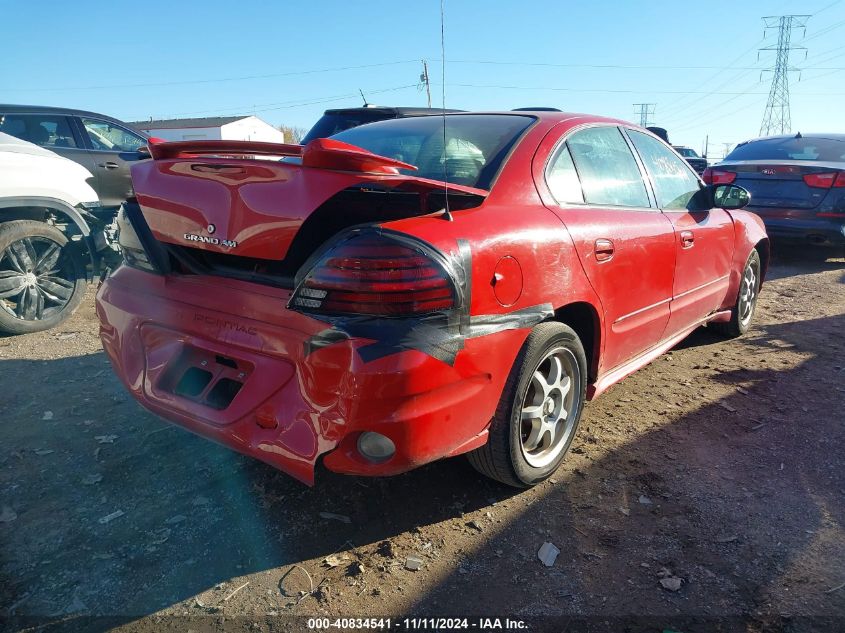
{"type": "Point", "coordinates": [778, 188]}
{"type": "Point", "coordinates": [219, 197]}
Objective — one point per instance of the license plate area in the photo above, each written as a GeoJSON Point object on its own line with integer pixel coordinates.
{"type": "Point", "coordinates": [205, 377]}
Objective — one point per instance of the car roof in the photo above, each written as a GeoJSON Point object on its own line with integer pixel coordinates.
{"type": "Point", "coordinates": [816, 135]}
{"type": "Point", "coordinates": [402, 111]}
{"type": "Point", "coordinates": [8, 108]}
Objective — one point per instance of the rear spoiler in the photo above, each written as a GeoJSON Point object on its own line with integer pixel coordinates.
{"type": "Point", "coordinates": [321, 153]}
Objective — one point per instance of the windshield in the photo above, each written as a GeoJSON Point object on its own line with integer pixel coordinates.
{"type": "Point", "coordinates": [822, 149]}
{"type": "Point", "coordinates": [476, 145]}
{"type": "Point", "coordinates": [686, 152]}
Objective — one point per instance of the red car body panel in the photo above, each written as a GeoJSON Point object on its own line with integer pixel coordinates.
{"type": "Point", "coordinates": [525, 255]}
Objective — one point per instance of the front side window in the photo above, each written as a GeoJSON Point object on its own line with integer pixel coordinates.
{"type": "Point", "coordinates": [674, 182]}
{"type": "Point", "coordinates": [608, 171]}
{"type": "Point", "coordinates": [562, 178]}
{"type": "Point", "coordinates": [110, 137]}
{"type": "Point", "coordinates": [51, 131]}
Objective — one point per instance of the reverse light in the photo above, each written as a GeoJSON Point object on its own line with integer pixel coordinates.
{"type": "Point", "coordinates": [376, 274]}
{"type": "Point", "coordinates": [825, 180]}
{"type": "Point", "coordinates": [718, 176]}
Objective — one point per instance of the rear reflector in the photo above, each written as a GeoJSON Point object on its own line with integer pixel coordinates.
{"type": "Point", "coordinates": [718, 176]}
{"type": "Point", "coordinates": [375, 274]}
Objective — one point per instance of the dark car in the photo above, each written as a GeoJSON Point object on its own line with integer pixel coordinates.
{"type": "Point", "coordinates": [695, 161]}
{"type": "Point", "coordinates": [797, 185]}
{"type": "Point", "coordinates": [102, 144]}
{"type": "Point", "coordinates": [334, 121]}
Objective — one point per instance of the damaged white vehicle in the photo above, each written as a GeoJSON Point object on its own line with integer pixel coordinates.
{"type": "Point", "coordinates": [51, 229]}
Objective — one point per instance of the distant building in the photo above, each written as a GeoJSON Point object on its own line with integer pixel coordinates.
{"type": "Point", "coordinates": [229, 128]}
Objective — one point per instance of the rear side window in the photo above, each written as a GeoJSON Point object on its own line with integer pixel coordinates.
{"type": "Point", "coordinates": [607, 168]}
{"type": "Point", "coordinates": [823, 149]}
{"type": "Point", "coordinates": [46, 130]}
{"type": "Point", "coordinates": [674, 183]}
{"type": "Point", "coordinates": [562, 178]}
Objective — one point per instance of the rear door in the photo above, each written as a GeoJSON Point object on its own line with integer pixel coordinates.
{"type": "Point", "coordinates": [626, 246]}
{"type": "Point", "coordinates": [50, 131]}
{"type": "Point", "coordinates": [704, 240]}
{"type": "Point", "coordinates": [114, 148]}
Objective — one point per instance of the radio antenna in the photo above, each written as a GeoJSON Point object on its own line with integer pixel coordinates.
{"type": "Point", "coordinates": [446, 213]}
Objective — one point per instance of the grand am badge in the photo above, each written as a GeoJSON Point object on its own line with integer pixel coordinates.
{"type": "Point", "coordinates": [216, 241]}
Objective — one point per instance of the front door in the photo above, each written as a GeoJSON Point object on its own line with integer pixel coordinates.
{"type": "Point", "coordinates": [114, 149]}
{"type": "Point", "coordinates": [704, 240]}
{"type": "Point", "coordinates": [625, 244]}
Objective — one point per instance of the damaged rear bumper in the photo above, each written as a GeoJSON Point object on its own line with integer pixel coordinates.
{"type": "Point", "coordinates": [226, 360]}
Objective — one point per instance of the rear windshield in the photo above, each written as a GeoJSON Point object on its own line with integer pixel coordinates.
{"type": "Point", "coordinates": [822, 149]}
{"type": "Point", "coordinates": [686, 152]}
{"type": "Point", "coordinates": [333, 122]}
{"type": "Point", "coordinates": [476, 145]}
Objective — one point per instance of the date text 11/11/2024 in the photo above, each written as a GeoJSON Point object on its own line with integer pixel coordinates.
{"type": "Point", "coordinates": [417, 624]}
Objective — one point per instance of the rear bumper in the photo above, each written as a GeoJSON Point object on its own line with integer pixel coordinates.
{"type": "Point", "coordinates": [284, 399]}
{"type": "Point", "coordinates": [817, 231]}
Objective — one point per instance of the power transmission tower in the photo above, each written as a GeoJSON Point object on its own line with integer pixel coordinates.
{"type": "Point", "coordinates": [424, 81]}
{"type": "Point", "coordinates": [777, 118]}
{"type": "Point", "coordinates": [645, 111]}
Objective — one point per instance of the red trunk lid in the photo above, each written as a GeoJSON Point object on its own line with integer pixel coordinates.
{"type": "Point", "coordinates": [216, 196]}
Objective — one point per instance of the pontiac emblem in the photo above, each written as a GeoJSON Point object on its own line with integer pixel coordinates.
{"type": "Point", "coordinates": [211, 228]}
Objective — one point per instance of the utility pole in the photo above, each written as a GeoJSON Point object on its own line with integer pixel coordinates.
{"type": "Point", "coordinates": [424, 80]}
{"type": "Point", "coordinates": [706, 146]}
{"type": "Point", "coordinates": [727, 149]}
{"type": "Point", "coordinates": [776, 117]}
{"type": "Point", "coordinates": [645, 111]}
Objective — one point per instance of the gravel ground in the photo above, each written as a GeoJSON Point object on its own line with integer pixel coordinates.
{"type": "Point", "coordinates": [709, 485]}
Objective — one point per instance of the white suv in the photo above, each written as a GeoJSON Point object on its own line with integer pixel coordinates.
{"type": "Point", "coordinates": [48, 232]}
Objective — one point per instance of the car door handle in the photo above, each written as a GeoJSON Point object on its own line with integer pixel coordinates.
{"type": "Point", "coordinates": [109, 165]}
{"type": "Point", "coordinates": [604, 250]}
{"type": "Point", "coordinates": [687, 239]}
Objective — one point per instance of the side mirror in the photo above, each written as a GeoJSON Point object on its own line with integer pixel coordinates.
{"type": "Point", "coordinates": [730, 197]}
{"type": "Point", "coordinates": [144, 151]}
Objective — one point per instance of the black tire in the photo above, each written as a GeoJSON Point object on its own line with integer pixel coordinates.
{"type": "Point", "coordinates": [42, 279]}
{"type": "Point", "coordinates": [504, 457]}
{"type": "Point", "coordinates": [739, 324]}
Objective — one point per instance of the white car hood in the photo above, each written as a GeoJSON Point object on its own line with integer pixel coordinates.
{"type": "Point", "coordinates": [30, 171]}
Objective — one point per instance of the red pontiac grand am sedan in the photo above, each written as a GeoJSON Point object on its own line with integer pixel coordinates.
{"type": "Point", "coordinates": [394, 295]}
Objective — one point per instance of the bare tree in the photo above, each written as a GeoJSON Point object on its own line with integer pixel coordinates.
{"type": "Point", "coordinates": [292, 134]}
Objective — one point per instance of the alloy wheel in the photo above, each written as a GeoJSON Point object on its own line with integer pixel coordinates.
{"type": "Point", "coordinates": [34, 281]}
{"type": "Point", "coordinates": [549, 411]}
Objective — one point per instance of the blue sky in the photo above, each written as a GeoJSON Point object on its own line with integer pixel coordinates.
{"type": "Point", "coordinates": [167, 59]}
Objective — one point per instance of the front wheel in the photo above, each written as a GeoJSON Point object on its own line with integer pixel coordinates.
{"type": "Point", "coordinates": [42, 280]}
{"type": "Point", "coordinates": [539, 411]}
{"type": "Point", "coordinates": [746, 300]}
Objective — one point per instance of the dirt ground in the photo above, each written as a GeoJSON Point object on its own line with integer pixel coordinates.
{"type": "Point", "coordinates": [706, 492]}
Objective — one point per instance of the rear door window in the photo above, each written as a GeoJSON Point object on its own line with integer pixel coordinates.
{"type": "Point", "coordinates": [47, 130]}
{"type": "Point", "coordinates": [674, 182]}
{"type": "Point", "coordinates": [608, 170]}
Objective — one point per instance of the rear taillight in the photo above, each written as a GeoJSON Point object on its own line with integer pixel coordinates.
{"type": "Point", "coordinates": [376, 274]}
{"type": "Point", "coordinates": [131, 247]}
{"type": "Point", "coordinates": [718, 176]}
{"type": "Point", "coordinates": [826, 180]}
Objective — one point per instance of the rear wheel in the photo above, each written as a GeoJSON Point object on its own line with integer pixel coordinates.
{"type": "Point", "coordinates": [746, 300]}
{"type": "Point", "coordinates": [42, 280]}
{"type": "Point", "coordinates": [539, 411]}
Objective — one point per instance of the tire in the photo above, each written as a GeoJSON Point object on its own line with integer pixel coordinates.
{"type": "Point", "coordinates": [743, 310]}
{"type": "Point", "coordinates": [42, 279]}
{"type": "Point", "coordinates": [524, 453]}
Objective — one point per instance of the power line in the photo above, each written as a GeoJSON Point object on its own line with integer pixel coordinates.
{"type": "Point", "coordinates": [777, 117]}
{"type": "Point", "coordinates": [216, 80]}
{"type": "Point", "coordinates": [625, 91]}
